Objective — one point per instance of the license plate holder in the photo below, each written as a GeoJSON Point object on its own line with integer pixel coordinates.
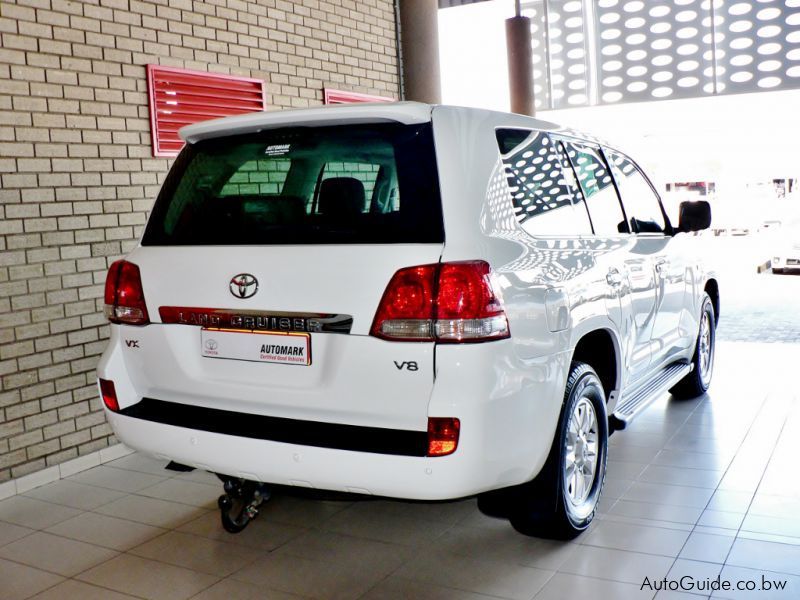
{"type": "Point", "coordinates": [278, 347]}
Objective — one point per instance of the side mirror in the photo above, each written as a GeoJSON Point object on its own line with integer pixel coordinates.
{"type": "Point", "coordinates": [694, 216]}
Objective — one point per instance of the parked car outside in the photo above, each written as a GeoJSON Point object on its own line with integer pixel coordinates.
{"type": "Point", "coordinates": [405, 300]}
{"type": "Point", "coordinates": [787, 253]}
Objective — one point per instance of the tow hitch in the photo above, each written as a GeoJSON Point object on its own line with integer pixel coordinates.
{"type": "Point", "coordinates": [239, 504]}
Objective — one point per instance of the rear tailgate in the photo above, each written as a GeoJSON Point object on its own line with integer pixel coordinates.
{"type": "Point", "coordinates": [294, 230]}
{"type": "Point", "coordinates": [353, 378]}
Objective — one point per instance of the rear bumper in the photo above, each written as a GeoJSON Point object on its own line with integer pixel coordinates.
{"type": "Point", "coordinates": [410, 477]}
{"type": "Point", "coordinates": [508, 410]}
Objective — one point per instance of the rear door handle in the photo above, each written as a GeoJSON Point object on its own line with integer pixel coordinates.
{"type": "Point", "coordinates": [662, 267]}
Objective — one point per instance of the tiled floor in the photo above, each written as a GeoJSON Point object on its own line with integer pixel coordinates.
{"type": "Point", "coordinates": [702, 488]}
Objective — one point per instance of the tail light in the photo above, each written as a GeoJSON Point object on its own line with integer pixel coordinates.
{"type": "Point", "coordinates": [442, 435]}
{"type": "Point", "coordinates": [448, 302]}
{"type": "Point", "coordinates": [109, 394]}
{"type": "Point", "coordinates": [124, 297]}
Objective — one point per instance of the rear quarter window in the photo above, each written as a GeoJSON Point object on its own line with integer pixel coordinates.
{"type": "Point", "coordinates": [543, 198]}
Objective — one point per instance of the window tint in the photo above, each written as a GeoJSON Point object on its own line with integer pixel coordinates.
{"type": "Point", "coordinates": [541, 195]}
{"type": "Point", "coordinates": [324, 185]}
{"type": "Point", "coordinates": [366, 173]}
{"type": "Point", "coordinates": [597, 189]}
{"type": "Point", "coordinates": [641, 203]}
{"type": "Point", "coordinates": [257, 177]}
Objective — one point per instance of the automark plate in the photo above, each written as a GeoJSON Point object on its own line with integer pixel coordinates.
{"type": "Point", "coordinates": [289, 348]}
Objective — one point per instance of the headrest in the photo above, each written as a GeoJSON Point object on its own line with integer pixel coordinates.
{"type": "Point", "coordinates": [341, 197]}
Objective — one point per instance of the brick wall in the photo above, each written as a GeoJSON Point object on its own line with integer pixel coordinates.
{"type": "Point", "coordinates": [78, 178]}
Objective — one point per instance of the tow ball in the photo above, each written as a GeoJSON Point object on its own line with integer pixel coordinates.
{"type": "Point", "coordinates": [240, 503]}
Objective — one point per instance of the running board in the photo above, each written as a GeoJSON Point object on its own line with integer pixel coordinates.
{"type": "Point", "coordinates": [632, 404]}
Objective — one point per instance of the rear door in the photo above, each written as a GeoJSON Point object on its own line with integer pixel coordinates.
{"type": "Point", "coordinates": [628, 267]}
{"type": "Point", "coordinates": [648, 223]}
{"type": "Point", "coordinates": [263, 265]}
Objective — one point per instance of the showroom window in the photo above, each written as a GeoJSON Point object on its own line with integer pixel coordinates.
{"type": "Point", "coordinates": [641, 203]}
{"type": "Point", "coordinates": [179, 97]}
{"type": "Point", "coordinates": [541, 194]}
{"type": "Point", "coordinates": [598, 190]}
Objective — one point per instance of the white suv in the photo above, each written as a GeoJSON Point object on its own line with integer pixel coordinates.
{"type": "Point", "coordinates": [404, 300]}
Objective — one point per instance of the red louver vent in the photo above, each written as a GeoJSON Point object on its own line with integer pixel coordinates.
{"type": "Point", "coordinates": [180, 97]}
{"type": "Point", "coordinates": [340, 97]}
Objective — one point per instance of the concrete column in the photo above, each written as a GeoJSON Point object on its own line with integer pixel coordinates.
{"type": "Point", "coordinates": [520, 65]}
{"type": "Point", "coordinates": [419, 46]}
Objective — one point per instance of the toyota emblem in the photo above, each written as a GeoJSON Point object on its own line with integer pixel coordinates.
{"type": "Point", "coordinates": [212, 344]}
{"type": "Point", "coordinates": [243, 285]}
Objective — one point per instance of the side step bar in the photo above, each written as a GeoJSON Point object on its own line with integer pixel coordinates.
{"type": "Point", "coordinates": [630, 405]}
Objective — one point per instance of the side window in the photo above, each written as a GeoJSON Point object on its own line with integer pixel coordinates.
{"type": "Point", "coordinates": [541, 195]}
{"type": "Point", "coordinates": [597, 190]}
{"type": "Point", "coordinates": [641, 203]}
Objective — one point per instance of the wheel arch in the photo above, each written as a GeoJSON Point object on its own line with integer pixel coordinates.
{"type": "Point", "coordinates": [712, 289]}
{"type": "Point", "coordinates": [600, 349]}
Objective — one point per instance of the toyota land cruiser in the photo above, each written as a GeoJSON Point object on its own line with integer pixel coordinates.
{"type": "Point", "coordinates": [405, 300]}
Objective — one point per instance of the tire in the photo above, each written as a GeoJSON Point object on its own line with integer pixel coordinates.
{"type": "Point", "coordinates": [697, 382]}
{"type": "Point", "coordinates": [556, 504]}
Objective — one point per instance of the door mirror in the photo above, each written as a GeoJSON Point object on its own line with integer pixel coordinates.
{"type": "Point", "coordinates": [694, 216]}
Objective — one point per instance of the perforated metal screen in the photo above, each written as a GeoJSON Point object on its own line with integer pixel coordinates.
{"type": "Point", "coordinates": [609, 51]}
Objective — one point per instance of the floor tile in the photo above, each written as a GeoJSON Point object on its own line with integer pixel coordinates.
{"type": "Point", "coordinates": [616, 565]}
{"type": "Point", "coordinates": [142, 463]}
{"type": "Point", "coordinates": [565, 586]}
{"type": "Point", "coordinates": [122, 480]}
{"type": "Point", "coordinates": [74, 494]}
{"type": "Point", "coordinates": [230, 589]}
{"type": "Point", "coordinates": [494, 578]}
{"type": "Point", "coordinates": [692, 460]}
{"type": "Point", "coordinates": [10, 532]}
{"type": "Point", "coordinates": [262, 533]}
{"type": "Point", "coordinates": [196, 553]}
{"type": "Point", "coordinates": [677, 495]}
{"type": "Point", "coordinates": [394, 588]}
{"type": "Point", "coordinates": [324, 546]}
{"type": "Point", "coordinates": [147, 578]}
{"type": "Point", "coordinates": [185, 492]}
{"type": "Point", "coordinates": [301, 511]}
{"type": "Point", "coordinates": [671, 595]}
{"type": "Point", "coordinates": [637, 538]}
{"type": "Point", "coordinates": [55, 554]}
{"type": "Point", "coordinates": [77, 590]}
{"type": "Point", "coordinates": [774, 525]}
{"type": "Point", "coordinates": [787, 507]}
{"type": "Point", "coordinates": [657, 512]}
{"type": "Point", "coordinates": [377, 522]}
{"type": "Point", "coordinates": [109, 532]}
{"type": "Point", "coordinates": [768, 556]}
{"type": "Point", "coordinates": [703, 478]}
{"type": "Point", "coordinates": [151, 511]}
{"type": "Point", "coordinates": [719, 518]}
{"type": "Point", "coordinates": [20, 581]}
{"type": "Point", "coordinates": [32, 513]}
{"type": "Point", "coordinates": [705, 547]}
{"type": "Point", "coordinates": [325, 580]}
{"type": "Point", "coordinates": [730, 501]}
{"type": "Point", "coordinates": [695, 571]}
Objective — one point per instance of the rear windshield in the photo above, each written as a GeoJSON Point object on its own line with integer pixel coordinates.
{"type": "Point", "coordinates": [354, 184]}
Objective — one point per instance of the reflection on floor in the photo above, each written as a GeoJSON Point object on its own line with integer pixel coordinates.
{"type": "Point", "coordinates": [695, 489]}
